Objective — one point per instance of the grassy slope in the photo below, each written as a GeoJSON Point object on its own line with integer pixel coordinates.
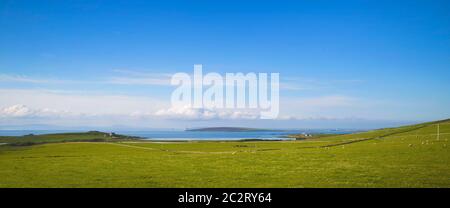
{"type": "Point", "coordinates": [400, 157]}
{"type": "Point", "coordinates": [92, 136]}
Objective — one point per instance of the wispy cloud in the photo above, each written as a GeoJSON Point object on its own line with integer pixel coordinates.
{"type": "Point", "coordinates": [162, 81]}
{"type": "Point", "coordinates": [120, 77]}
{"type": "Point", "coordinates": [303, 83]}
{"type": "Point", "coordinates": [326, 101]}
{"type": "Point", "coordinates": [27, 79]}
{"type": "Point", "coordinates": [128, 77]}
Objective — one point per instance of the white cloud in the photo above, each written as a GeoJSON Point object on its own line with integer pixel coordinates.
{"type": "Point", "coordinates": [80, 103]}
{"type": "Point", "coordinates": [63, 104]}
{"type": "Point", "coordinates": [16, 111]}
{"type": "Point", "coordinates": [21, 111]}
{"type": "Point", "coordinates": [204, 114]}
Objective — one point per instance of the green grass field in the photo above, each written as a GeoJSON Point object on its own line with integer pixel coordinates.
{"type": "Point", "coordinates": [410, 156]}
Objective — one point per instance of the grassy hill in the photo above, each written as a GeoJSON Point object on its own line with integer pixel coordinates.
{"type": "Point", "coordinates": [91, 136]}
{"type": "Point", "coordinates": [409, 156]}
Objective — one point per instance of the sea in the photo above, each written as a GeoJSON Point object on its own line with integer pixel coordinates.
{"type": "Point", "coordinates": [195, 135]}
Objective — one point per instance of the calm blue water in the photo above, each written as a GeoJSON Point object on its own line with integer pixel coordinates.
{"type": "Point", "coordinates": [188, 135]}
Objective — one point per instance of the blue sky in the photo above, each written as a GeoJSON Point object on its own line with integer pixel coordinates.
{"type": "Point", "coordinates": [346, 61]}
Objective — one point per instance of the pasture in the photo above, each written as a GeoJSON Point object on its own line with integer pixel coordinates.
{"type": "Point", "coordinates": [410, 156]}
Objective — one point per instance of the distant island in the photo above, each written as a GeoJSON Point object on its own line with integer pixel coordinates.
{"type": "Point", "coordinates": [229, 129]}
